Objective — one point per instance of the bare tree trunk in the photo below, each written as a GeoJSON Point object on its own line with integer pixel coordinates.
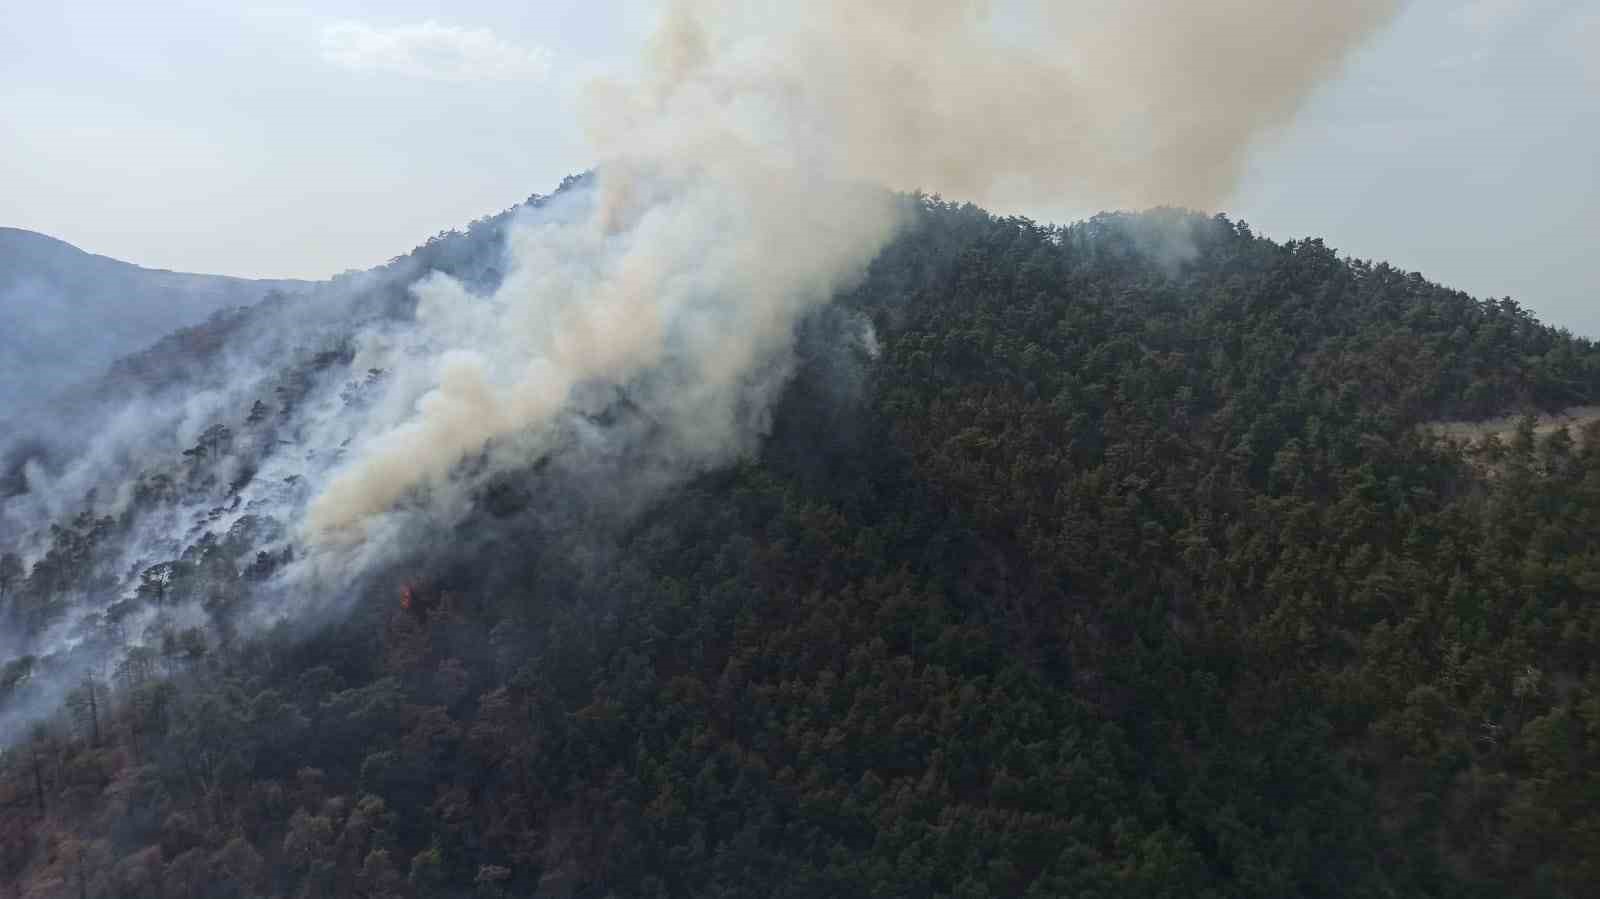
{"type": "Point", "coordinates": [94, 711]}
{"type": "Point", "coordinates": [83, 877]}
{"type": "Point", "coordinates": [38, 779]}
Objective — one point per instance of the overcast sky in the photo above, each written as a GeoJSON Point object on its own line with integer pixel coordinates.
{"type": "Point", "coordinates": [298, 140]}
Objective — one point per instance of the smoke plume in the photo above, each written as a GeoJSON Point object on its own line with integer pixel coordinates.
{"type": "Point", "coordinates": [743, 181]}
{"type": "Point", "coordinates": [633, 329]}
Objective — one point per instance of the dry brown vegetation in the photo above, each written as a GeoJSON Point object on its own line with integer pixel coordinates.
{"type": "Point", "coordinates": [1574, 419]}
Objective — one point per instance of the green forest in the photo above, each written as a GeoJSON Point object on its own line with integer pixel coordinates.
{"type": "Point", "coordinates": [1129, 565]}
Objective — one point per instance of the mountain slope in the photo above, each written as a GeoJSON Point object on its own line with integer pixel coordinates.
{"type": "Point", "coordinates": [1107, 560]}
{"type": "Point", "coordinates": [66, 314]}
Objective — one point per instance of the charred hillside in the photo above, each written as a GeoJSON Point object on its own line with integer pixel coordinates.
{"type": "Point", "coordinates": [1100, 560]}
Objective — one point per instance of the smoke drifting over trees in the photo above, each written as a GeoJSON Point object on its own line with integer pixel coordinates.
{"type": "Point", "coordinates": [742, 518]}
{"type": "Point", "coordinates": [741, 184]}
{"type": "Point", "coordinates": [66, 315]}
{"type": "Point", "coordinates": [1069, 566]}
{"type": "Point", "coordinates": [640, 323]}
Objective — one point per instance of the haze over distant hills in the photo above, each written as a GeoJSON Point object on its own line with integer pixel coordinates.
{"type": "Point", "coordinates": [65, 314]}
{"type": "Point", "coordinates": [1120, 558]}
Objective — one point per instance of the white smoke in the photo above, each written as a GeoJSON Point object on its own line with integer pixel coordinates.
{"type": "Point", "coordinates": [741, 184]}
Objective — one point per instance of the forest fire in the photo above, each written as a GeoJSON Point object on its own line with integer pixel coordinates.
{"type": "Point", "coordinates": [417, 599]}
{"type": "Point", "coordinates": [422, 600]}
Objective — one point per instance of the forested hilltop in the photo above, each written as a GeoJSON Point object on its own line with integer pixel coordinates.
{"type": "Point", "coordinates": [1121, 563]}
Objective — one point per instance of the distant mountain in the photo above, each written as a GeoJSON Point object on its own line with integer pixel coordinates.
{"type": "Point", "coordinates": [66, 314]}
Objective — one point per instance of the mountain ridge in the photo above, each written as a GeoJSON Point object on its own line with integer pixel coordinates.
{"type": "Point", "coordinates": [1067, 564]}
{"type": "Point", "coordinates": [13, 238]}
{"type": "Point", "coordinates": [66, 314]}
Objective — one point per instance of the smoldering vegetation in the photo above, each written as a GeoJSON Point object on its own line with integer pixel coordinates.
{"type": "Point", "coordinates": [741, 185]}
{"type": "Point", "coordinates": [728, 524]}
{"type": "Point", "coordinates": [632, 331]}
{"type": "Point", "coordinates": [168, 519]}
{"type": "Point", "coordinates": [159, 495]}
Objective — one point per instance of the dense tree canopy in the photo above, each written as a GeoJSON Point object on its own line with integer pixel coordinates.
{"type": "Point", "coordinates": [1122, 563]}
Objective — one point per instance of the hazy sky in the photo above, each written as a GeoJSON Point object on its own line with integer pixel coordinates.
{"type": "Point", "coordinates": [299, 140]}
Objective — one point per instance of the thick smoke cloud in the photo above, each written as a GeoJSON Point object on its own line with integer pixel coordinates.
{"type": "Point", "coordinates": [1105, 102]}
{"type": "Point", "coordinates": [742, 183]}
{"type": "Point", "coordinates": [641, 323]}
